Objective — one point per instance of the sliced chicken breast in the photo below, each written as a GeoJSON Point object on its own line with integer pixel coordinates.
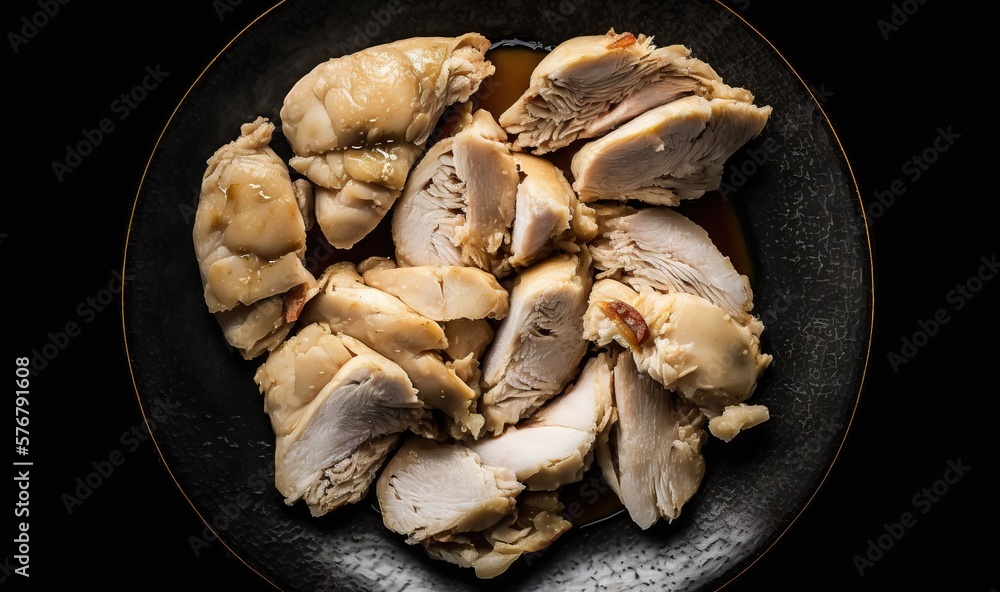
{"type": "Point", "coordinates": [548, 215]}
{"type": "Point", "coordinates": [554, 447]}
{"type": "Point", "coordinates": [588, 85]}
{"type": "Point", "coordinates": [433, 490]}
{"type": "Point", "coordinates": [337, 410]}
{"type": "Point", "coordinates": [652, 458]}
{"type": "Point", "coordinates": [394, 92]}
{"type": "Point", "coordinates": [387, 325]}
{"type": "Point", "coordinates": [540, 344]}
{"type": "Point", "coordinates": [669, 153]}
{"type": "Point", "coordinates": [459, 205]}
{"type": "Point", "coordinates": [661, 249]}
{"type": "Point", "coordinates": [535, 524]}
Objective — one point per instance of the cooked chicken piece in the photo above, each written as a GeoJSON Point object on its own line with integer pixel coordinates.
{"type": "Point", "coordinates": [337, 410]}
{"type": "Point", "coordinates": [377, 318]}
{"type": "Point", "coordinates": [295, 372]}
{"type": "Point", "coordinates": [539, 346]}
{"type": "Point", "coordinates": [250, 238]}
{"type": "Point", "coordinates": [355, 203]}
{"type": "Point", "coordinates": [443, 292]}
{"type": "Point", "coordinates": [586, 86]}
{"type": "Point", "coordinates": [357, 123]}
{"type": "Point", "coordinates": [306, 200]}
{"type": "Point", "coordinates": [394, 92]}
{"type": "Point", "coordinates": [375, 264]}
{"type": "Point", "coordinates": [694, 346]}
{"type": "Point", "coordinates": [548, 215]}
{"type": "Point", "coordinates": [669, 153]}
{"type": "Point", "coordinates": [661, 249]}
{"type": "Point", "coordinates": [484, 163]}
{"type": "Point", "coordinates": [468, 336]}
{"type": "Point", "coordinates": [384, 323]}
{"type": "Point", "coordinates": [255, 329]}
{"type": "Point", "coordinates": [534, 525]}
{"type": "Point", "coordinates": [736, 418]}
{"type": "Point", "coordinates": [427, 216]}
{"type": "Point", "coordinates": [554, 446]}
{"type": "Point", "coordinates": [458, 206]}
{"type": "Point", "coordinates": [387, 165]}
{"type": "Point", "coordinates": [652, 458]}
{"type": "Point", "coordinates": [434, 490]}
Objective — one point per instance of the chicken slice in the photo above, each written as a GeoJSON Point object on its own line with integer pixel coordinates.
{"type": "Point", "coordinates": [669, 153]}
{"type": "Point", "coordinates": [433, 490]}
{"type": "Point", "coordinates": [468, 336]}
{"type": "Point", "coordinates": [294, 373]}
{"type": "Point", "coordinates": [255, 329]}
{"type": "Point", "coordinates": [548, 215]}
{"type": "Point", "coordinates": [357, 123]}
{"type": "Point", "coordinates": [387, 325]}
{"type": "Point", "coordinates": [661, 249]}
{"type": "Point", "coordinates": [588, 85]}
{"type": "Point", "coordinates": [459, 205]}
{"type": "Point", "coordinates": [694, 346]}
{"type": "Point", "coordinates": [337, 410]}
{"type": "Point", "coordinates": [652, 458]}
{"type": "Point", "coordinates": [443, 292]}
{"type": "Point", "coordinates": [554, 446]}
{"type": "Point", "coordinates": [250, 238]}
{"type": "Point", "coordinates": [534, 524]}
{"type": "Point", "coordinates": [539, 346]}
{"type": "Point", "coordinates": [736, 418]}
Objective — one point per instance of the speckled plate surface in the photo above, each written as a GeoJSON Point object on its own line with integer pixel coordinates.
{"type": "Point", "coordinates": [805, 231]}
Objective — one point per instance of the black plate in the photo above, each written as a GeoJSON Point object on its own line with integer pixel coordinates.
{"type": "Point", "coordinates": [798, 205]}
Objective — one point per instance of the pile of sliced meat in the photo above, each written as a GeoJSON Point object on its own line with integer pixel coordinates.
{"type": "Point", "coordinates": [527, 322]}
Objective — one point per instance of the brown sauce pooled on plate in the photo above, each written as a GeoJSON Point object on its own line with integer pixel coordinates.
{"type": "Point", "coordinates": [514, 64]}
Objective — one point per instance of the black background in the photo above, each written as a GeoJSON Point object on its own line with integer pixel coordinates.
{"type": "Point", "coordinates": [889, 93]}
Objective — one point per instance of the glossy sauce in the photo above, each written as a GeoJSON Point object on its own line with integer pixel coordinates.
{"type": "Point", "coordinates": [514, 64]}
